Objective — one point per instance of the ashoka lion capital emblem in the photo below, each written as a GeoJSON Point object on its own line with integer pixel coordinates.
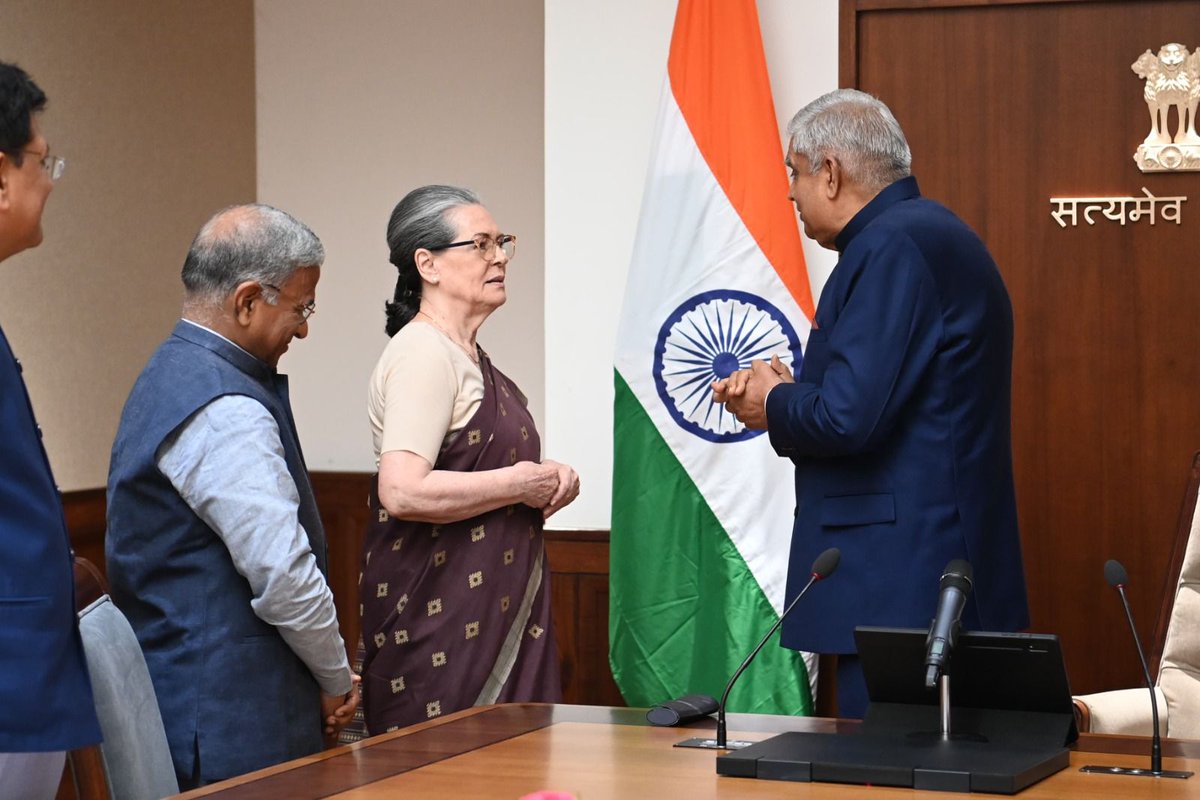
{"type": "Point", "coordinates": [1172, 81]}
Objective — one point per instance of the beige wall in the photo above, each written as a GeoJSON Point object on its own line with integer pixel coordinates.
{"type": "Point", "coordinates": [152, 105]}
{"type": "Point", "coordinates": [165, 109]}
{"type": "Point", "coordinates": [361, 101]}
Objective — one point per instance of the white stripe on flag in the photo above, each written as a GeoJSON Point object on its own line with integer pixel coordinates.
{"type": "Point", "coordinates": [691, 240]}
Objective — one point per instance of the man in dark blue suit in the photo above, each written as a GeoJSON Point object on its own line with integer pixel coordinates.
{"type": "Point", "coordinates": [899, 419]}
{"type": "Point", "coordinates": [46, 705]}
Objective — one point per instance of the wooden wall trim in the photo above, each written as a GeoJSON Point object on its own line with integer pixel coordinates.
{"type": "Point", "coordinates": [848, 11]}
{"type": "Point", "coordinates": [894, 5]}
{"type": "Point", "coordinates": [576, 535]}
{"type": "Point", "coordinates": [847, 44]}
{"type": "Point", "coordinates": [578, 576]}
{"type": "Point", "coordinates": [85, 513]}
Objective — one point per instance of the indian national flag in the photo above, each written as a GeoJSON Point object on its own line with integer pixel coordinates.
{"type": "Point", "coordinates": [702, 507]}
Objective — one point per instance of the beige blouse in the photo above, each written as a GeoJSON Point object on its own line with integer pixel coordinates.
{"type": "Point", "coordinates": [424, 390]}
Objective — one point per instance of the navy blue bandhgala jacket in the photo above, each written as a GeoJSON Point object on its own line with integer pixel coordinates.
{"type": "Point", "coordinates": [45, 695]}
{"type": "Point", "coordinates": [232, 693]}
{"type": "Point", "coordinates": [898, 424]}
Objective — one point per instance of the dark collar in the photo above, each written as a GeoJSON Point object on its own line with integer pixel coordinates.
{"type": "Point", "coordinates": [903, 189]}
{"type": "Point", "coordinates": [199, 335]}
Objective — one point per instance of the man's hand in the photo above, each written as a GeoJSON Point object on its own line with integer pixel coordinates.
{"type": "Point", "coordinates": [782, 370]}
{"type": "Point", "coordinates": [338, 710]}
{"type": "Point", "coordinates": [744, 392]}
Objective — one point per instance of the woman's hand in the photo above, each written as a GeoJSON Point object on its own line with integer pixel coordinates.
{"type": "Point", "coordinates": [548, 485]}
{"type": "Point", "coordinates": [537, 483]}
{"type": "Point", "coordinates": [568, 488]}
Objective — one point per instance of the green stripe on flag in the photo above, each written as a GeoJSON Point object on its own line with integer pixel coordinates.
{"type": "Point", "coordinates": [684, 607]}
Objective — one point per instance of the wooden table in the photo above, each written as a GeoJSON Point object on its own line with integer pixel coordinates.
{"type": "Point", "coordinates": [597, 752]}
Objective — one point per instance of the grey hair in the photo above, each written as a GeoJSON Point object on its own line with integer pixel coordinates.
{"type": "Point", "coordinates": [419, 221]}
{"type": "Point", "coordinates": [253, 242]}
{"type": "Point", "coordinates": [856, 129]}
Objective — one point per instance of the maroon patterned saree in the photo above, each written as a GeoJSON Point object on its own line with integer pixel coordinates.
{"type": "Point", "coordinates": [458, 614]}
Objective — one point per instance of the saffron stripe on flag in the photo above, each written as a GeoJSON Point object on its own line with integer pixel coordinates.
{"type": "Point", "coordinates": [733, 123]}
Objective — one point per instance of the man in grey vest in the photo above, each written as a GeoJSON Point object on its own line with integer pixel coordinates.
{"type": "Point", "coordinates": [215, 549]}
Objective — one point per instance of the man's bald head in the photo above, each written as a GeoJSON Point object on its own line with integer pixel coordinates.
{"type": "Point", "coordinates": [253, 242]}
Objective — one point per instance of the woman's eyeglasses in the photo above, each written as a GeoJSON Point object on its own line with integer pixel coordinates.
{"type": "Point", "coordinates": [486, 245]}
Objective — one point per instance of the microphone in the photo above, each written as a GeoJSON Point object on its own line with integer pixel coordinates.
{"type": "Point", "coordinates": [682, 711]}
{"type": "Point", "coordinates": [822, 568]}
{"type": "Point", "coordinates": [1117, 577]}
{"type": "Point", "coordinates": [955, 587]}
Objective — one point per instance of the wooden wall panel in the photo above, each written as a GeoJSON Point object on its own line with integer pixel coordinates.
{"type": "Point", "coordinates": [578, 577]}
{"type": "Point", "coordinates": [342, 498]}
{"type": "Point", "coordinates": [1007, 104]}
{"type": "Point", "coordinates": [579, 581]}
{"type": "Point", "coordinates": [85, 522]}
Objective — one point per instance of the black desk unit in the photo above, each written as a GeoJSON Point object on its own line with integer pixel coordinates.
{"type": "Point", "coordinates": [1011, 720]}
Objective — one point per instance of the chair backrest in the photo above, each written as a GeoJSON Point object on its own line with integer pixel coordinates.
{"type": "Point", "coordinates": [135, 755]}
{"type": "Point", "coordinates": [86, 764]}
{"type": "Point", "coordinates": [1179, 621]}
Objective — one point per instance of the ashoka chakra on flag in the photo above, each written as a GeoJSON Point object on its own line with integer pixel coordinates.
{"type": "Point", "coordinates": [708, 337]}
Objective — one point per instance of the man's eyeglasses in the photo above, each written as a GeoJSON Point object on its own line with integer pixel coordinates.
{"type": "Point", "coordinates": [54, 165]}
{"type": "Point", "coordinates": [486, 245]}
{"type": "Point", "coordinates": [305, 311]}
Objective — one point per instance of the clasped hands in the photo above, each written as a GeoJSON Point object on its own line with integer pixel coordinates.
{"type": "Point", "coordinates": [744, 392]}
{"type": "Point", "coordinates": [548, 485]}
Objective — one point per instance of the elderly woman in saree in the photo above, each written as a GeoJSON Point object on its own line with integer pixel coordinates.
{"type": "Point", "coordinates": [455, 587]}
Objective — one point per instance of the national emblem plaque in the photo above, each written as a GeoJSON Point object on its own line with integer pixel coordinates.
{"type": "Point", "coordinates": [1172, 80]}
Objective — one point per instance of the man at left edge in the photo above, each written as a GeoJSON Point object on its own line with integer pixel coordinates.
{"type": "Point", "coordinates": [46, 704]}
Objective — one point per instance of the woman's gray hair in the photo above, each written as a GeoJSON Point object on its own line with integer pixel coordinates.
{"type": "Point", "coordinates": [419, 221]}
{"type": "Point", "coordinates": [856, 129]}
{"type": "Point", "coordinates": [253, 242]}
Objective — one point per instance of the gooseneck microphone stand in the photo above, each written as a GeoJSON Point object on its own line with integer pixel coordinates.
{"type": "Point", "coordinates": [822, 568]}
{"type": "Point", "coordinates": [1117, 577]}
{"type": "Point", "coordinates": [721, 739]}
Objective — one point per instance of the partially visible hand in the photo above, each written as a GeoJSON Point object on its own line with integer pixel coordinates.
{"type": "Point", "coordinates": [536, 483]}
{"type": "Point", "coordinates": [720, 390]}
{"type": "Point", "coordinates": [782, 370]}
{"type": "Point", "coordinates": [749, 404]}
{"type": "Point", "coordinates": [733, 386]}
{"type": "Point", "coordinates": [568, 488]}
{"type": "Point", "coordinates": [338, 710]}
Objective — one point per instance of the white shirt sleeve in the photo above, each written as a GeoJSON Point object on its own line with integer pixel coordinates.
{"type": "Point", "coordinates": [228, 465]}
